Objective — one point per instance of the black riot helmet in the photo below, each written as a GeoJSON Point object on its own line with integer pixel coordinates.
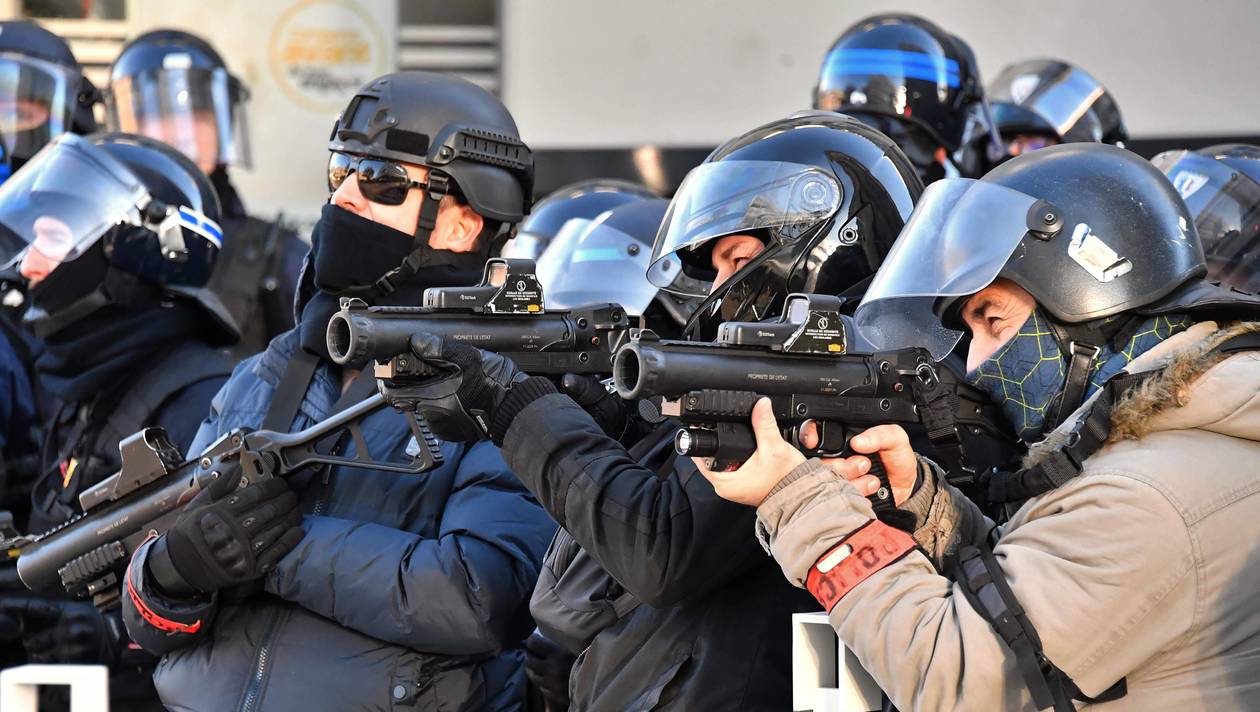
{"type": "Point", "coordinates": [1091, 231]}
{"type": "Point", "coordinates": [1221, 187]}
{"type": "Point", "coordinates": [827, 195]}
{"type": "Point", "coordinates": [1054, 99]}
{"type": "Point", "coordinates": [173, 86]}
{"type": "Point", "coordinates": [915, 82]}
{"type": "Point", "coordinates": [583, 199]}
{"type": "Point", "coordinates": [43, 92]}
{"type": "Point", "coordinates": [461, 133]}
{"type": "Point", "coordinates": [606, 259]}
{"type": "Point", "coordinates": [112, 219]}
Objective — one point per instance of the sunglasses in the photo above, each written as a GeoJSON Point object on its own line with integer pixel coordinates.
{"type": "Point", "coordinates": [380, 181]}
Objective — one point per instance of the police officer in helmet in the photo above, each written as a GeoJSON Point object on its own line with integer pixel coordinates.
{"type": "Point", "coordinates": [43, 94]}
{"type": "Point", "coordinates": [1126, 573]}
{"type": "Point", "coordinates": [173, 86]}
{"type": "Point", "coordinates": [917, 83]}
{"type": "Point", "coordinates": [358, 589]}
{"type": "Point", "coordinates": [584, 199]}
{"type": "Point", "coordinates": [1221, 187]}
{"type": "Point", "coordinates": [120, 236]}
{"type": "Point", "coordinates": [1045, 102]}
{"type": "Point", "coordinates": [809, 202]}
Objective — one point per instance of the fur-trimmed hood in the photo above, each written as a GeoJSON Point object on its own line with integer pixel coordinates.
{"type": "Point", "coordinates": [1217, 393]}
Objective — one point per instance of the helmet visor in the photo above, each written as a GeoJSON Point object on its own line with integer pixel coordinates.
{"type": "Point", "coordinates": [960, 236]}
{"type": "Point", "coordinates": [589, 262]}
{"type": "Point", "coordinates": [37, 101]}
{"type": "Point", "coordinates": [861, 76]}
{"type": "Point", "coordinates": [725, 198]}
{"type": "Point", "coordinates": [1061, 96]}
{"type": "Point", "coordinates": [199, 111]}
{"type": "Point", "coordinates": [1226, 209]}
{"type": "Point", "coordinates": [525, 246]}
{"type": "Point", "coordinates": [63, 201]}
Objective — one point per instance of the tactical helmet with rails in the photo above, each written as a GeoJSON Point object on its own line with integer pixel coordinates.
{"type": "Point", "coordinates": [461, 133]}
{"type": "Point", "coordinates": [112, 219]}
{"type": "Point", "coordinates": [826, 193]}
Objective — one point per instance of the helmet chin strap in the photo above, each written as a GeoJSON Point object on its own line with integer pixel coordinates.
{"type": "Point", "coordinates": [438, 188]}
{"type": "Point", "coordinates": [1081, 344]}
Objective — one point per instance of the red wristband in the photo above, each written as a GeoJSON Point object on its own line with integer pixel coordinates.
{"type": "Point", "coordinates": [150, 616]}
{"type": "Point", "coordinates": [855, 559]}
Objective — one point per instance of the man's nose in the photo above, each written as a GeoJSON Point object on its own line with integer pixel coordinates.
{"type": "Point", "coordinates": [348, 196]}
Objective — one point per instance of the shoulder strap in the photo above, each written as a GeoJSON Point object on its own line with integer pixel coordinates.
{"type": "Point", "coordinates": [289, 391]}
{"type": "Point", "coordinates": [1088, 435]}
{"type": "Point", "coordinates": [188, 364]}
{"type": "Point", "coordinates": [984, 585]}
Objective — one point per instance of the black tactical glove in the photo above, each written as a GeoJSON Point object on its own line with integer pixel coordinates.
{"type": "Point", "coordinates": [547, 666]}
{"type": "Point", "coordinates": [466, 404]}
{"type": "Point", "coordinates": [58, 631]}
{"type": "Point", "coordinates": [226, 537]}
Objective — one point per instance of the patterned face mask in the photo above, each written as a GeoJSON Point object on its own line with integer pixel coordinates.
{"type": "Point", "coordinates": [1024, 376]}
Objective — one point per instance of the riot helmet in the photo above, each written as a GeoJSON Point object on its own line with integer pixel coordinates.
{"type": "Point", "coordinates": [905, 76]}
{"type": "Point", "coordinates": [583, 199]}
{"type": "Point", "coordinates": [1097, 236]}
{"type": "Point", "coordinates": [825, 193]}
{"type": "Point", "coordinates": [43, 92]}
{"type": "Point", "coordinates": [1221, 187]}
{"type": "Point", "coordinates": [1040, 102]}
{"type": "Point", "coordinates": [111, 219]}
{"type": "Point", "coordinates": [173, 86]}
{"type": "Point", "coordinates": [606, 259]}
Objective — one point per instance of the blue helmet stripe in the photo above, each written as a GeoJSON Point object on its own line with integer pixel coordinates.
{"type": "Point", "coordinates": [894, 62]}
{"type": "Point", "coordinates": [201, 225]}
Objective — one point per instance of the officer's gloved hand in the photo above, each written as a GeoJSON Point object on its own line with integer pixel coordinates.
{"type": "Point", "coordinates": [59, 631]}
{"type": "Point", "coordinates": [467, 404]}
{"type": "Point", "coordinates": [547, 665]}
{"type": "Point", "coordinates": [226, 537]}
{"type": "Point", "coordinates": [608, 410]}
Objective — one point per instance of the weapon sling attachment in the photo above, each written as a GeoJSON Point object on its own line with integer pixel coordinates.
{"type": "Point", "coordinates": [980, 576]}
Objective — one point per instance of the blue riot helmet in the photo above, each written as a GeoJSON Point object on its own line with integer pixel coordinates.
{"type": "Point", "coordinates": [111, 219]}
{"type": "Point", "coordinates": [43, 92]}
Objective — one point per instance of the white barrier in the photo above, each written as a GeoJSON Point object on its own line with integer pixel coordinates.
{"type": "Point", "coordinates": [826, 676]}
{"type": "Point", "coordinates": [89, 686]}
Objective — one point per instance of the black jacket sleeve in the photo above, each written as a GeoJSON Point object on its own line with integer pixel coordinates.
{"type": "Point", "coordinates": [665, 539]}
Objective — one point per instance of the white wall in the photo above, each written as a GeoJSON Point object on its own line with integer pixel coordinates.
{"type": "Point", "coordinates": [582, 73]}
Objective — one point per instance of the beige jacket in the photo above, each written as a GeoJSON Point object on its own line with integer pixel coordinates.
{"type": "Point", "coordinates": [1146, 567]}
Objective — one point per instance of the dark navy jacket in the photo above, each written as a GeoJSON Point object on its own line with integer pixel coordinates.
{"type": "Point", "coordinates": [407, 592]}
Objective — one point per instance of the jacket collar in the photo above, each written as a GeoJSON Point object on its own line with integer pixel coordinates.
{"type": "Point", "coordinates": [1194, 391]}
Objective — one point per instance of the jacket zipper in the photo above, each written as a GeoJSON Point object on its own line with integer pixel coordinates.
{"type": "Point", "coordinates": [254, 691]}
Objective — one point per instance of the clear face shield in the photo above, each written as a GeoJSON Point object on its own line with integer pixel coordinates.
{"type": "Point", "coordinates": [201, 112]}
{"type": "Point", "coordinates": [960, 236]}
{"type": "Point", "coordinates": [1226, 209]}
{"type": "Point", "coordinates": [783, 200]}
{"type": "Point", "coordinates": [70, 195]}
{"type": "Point", "coordinates": [589, 262]}
{"type": "Point", "coordinates": [1062, 96]}
{"type": "Point", "coordinates": [37, 104]}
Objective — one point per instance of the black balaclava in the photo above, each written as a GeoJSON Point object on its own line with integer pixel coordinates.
{"type": "Point", "coordinates": [229, 199]}
{"type": "Point", "coordinates": [349, 253]}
